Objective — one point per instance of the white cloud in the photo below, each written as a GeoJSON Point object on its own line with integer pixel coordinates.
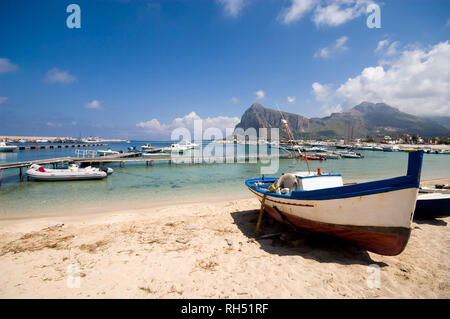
{"type": "Point", "coordinates": [381, 45]}
{"type": "Point", "coordinates": [337, 12]}
{"type": "Point", "coordinates": [387, 48]}
{"type": "Point", "coordinates": [234, 100]}
{"type": "Point", "coordinates": [416, 81]}
{"type": "Point", "coordinates": [260, 94]}
{"type": "Point", "coordinates": [53, 125]}
{"type": "Point", "coordinates": [339, 46]}
{"type": "Point", "coordinates": [330, 13]}
{"type": "Point", "coordinates": [154, 127]}
{"type": "Point", "coordinates": [57, 76]}
{"type": "Point", "coordinates": [328, 110]}
{"type": "Point", "coordinates": [7, 66]}
{"type": "Point", "coordinates": [233, 7]}
{"type": "Point", "coordinates": [3, 99]}
{"type": "Point", "coordinates": [296, 11]}
{"type": "Point", "coordinates": [94, 104]}
{"type": "Point", "coordinates": [322, 93]}
{"type": "Point", "coordinates": [291, 99]}
{"type": "Point", "coordinates": [448, 23]}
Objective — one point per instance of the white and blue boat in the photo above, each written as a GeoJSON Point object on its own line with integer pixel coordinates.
{"type": "Point", "coordinates": [374, 215]}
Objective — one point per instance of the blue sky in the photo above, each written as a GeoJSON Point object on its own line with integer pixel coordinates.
{"type": "Point", "coordinates": [138, 69]}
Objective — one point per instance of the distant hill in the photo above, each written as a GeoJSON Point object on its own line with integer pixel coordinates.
{"type": "Point", "coordinates": [443, 120]}
{"type": "Point", "coordinates": [362, 120]}
{"type": "Point", "coordinates": [257, 116]}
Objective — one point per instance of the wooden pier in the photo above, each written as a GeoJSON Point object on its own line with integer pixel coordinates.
{"type": "Point", "coordinates": [127, 157]}
{"type": "Point", "coordinates": [39, 147]}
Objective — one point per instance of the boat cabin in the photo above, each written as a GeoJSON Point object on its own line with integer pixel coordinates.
{"type": "Point", "coordinates": [307, 181]}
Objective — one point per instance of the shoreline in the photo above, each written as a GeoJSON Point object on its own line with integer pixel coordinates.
{"type": "Point", "coordinates": [122, 205]}
{"type": "Point", "coordinates": [208, 250]}
{"type": "Point", "coordinates": [205, 248]}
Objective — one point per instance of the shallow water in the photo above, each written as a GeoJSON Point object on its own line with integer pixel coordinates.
{"type": "Point", "coordinates": [136, 185]}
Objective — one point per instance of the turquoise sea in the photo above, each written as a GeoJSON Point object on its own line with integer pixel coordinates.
{"type": "Point", "coordinates": [136, 185]}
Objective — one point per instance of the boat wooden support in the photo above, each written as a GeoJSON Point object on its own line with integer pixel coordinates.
{"type": "Point", "coordinates": [21, 174]}
{"type": "Point", "coordinates": [261, 212]}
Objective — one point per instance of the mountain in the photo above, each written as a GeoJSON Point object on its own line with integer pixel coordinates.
{"type": "Point", "coordinates": [443, 120]}
{"type": "Point", "coordinates": [257, 116]}
{"type": "Point", "coordinates": [362, 120]}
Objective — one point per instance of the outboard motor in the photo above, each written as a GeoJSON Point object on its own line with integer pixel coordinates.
{"type": "Point", "coordinates": [287, 183]}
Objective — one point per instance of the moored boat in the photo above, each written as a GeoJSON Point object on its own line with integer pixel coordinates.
{"type": "Point", "coordinates": [374, 215]}
{"type": "Point", "coordinates": [72, 173]}
{"type": "Point", "coordinates": [8, 148]}
{"type": "Point", "coordinates": [430, 205]}
{"type": "Point", "coordinates": [107, 152]}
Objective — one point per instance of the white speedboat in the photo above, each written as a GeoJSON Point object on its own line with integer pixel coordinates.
{"type": "Point", "coordinates": [146, 147]}
{"type": "Point", "coordinates": [8, 148]}
{"type": "Point", "coordinates": [175, 148]}
{"type": "Point", "coordinates": [107, 152]}
{"type": "Point", "coordinates": [41, 141]}
{"type": "Point", "coordinates": [188, 144]}
{"type": "Point", "coordinates": [329, 155]}
{"type": "Point", "coordinates": [391, 149]}
{"type": "Point", "coordinates": [154, 154]}
{"type": "Point", "coordinates": [70, 174]}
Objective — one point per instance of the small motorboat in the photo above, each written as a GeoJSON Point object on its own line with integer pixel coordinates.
{"type": "Point", "coordinates": [430, 205]}
{"type": "Point", "coordinates": [153, 154]}
{"type": "Point", "coordinates": [189, 145]}
{"type": "Point", "coordinates": [8, 148]}
{"type": "Point", "coordinates": [329, 155]}
{"type": "Point", "coordinates": [391, 149]}
{"type": "Point", "coordinates": [107, 152]}
{"type": "Point", "coordinates": [374, 215]}
{"type": "Point", "coordinates": [348, 154]}
{"type": "Point", "coordinates": [74, 172]}
{"type": "Point", "coordinates": [146, 147]}
{"type": "Point", "coordinates": [314, 158]}
{"type": "Point", "coordinates": [107, 170]}
{"type": "Point", "coordinates": [175, 148]}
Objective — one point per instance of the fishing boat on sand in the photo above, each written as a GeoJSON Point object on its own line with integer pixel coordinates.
{"type": "Point", "coordinates": [74, 172]}
{"type": "Point", "coordinates": [374, 215]}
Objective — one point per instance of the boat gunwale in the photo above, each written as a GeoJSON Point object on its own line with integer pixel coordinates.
{"type": "Point", "coordinates": [411, 180]}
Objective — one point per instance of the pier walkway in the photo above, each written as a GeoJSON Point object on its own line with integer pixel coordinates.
{"type": "Point", "coordinates": [123, 158]}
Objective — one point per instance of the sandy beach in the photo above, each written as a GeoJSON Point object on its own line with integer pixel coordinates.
{"type": "Point", "coordinates": [208, 250]}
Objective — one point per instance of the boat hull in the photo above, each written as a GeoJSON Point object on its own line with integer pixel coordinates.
{"type": "Point", "coordinates": [383, 229]}
{"type": "Point", "coordinates": [8, 149]}
{"type": "Point", "coordinates": [432, 205]}
{"type": "Point", "coordinates": [48, 176]}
